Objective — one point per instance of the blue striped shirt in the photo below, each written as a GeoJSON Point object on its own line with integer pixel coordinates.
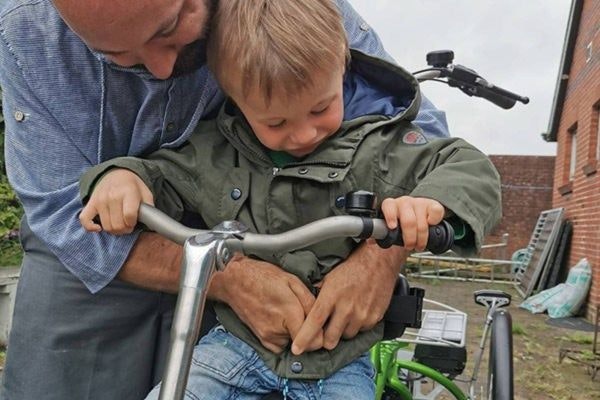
{"type": "Point", "coordinates": [67, 109]}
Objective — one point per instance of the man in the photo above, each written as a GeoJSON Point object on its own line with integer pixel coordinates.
{"type": "Point", "coordinates": [85, 81]}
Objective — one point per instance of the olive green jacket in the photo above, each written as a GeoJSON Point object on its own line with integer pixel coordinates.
{"type": "Point", "coordinates": [224, 173]}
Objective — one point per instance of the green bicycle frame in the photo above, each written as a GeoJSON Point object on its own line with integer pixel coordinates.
{"type": "Point", "coordinates": [383, 357]}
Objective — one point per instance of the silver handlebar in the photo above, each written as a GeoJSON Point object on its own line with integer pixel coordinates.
{"type": "Point", "coordinates": [164, 225]}
{"type": "Point", "coordinates": [247, 242]}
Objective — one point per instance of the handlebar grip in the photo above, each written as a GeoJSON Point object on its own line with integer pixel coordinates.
{"type": "Point", "coordinates": [440, 240]}
{"type": "Point", "coordinates": [496, 98]}
{"type": "Point", "coordinates": [507, 93]}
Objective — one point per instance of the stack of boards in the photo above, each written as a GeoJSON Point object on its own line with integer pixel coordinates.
{"type": "Point", "coordinates": [544, 256]}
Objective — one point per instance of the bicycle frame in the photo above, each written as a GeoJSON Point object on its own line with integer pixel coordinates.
{"type": "Point", "coordinates": [383, 357]}
{"type": "Point", "coordinates": [388, 365]}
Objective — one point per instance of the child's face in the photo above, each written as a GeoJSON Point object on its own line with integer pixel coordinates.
{"type": "Point", "coordinates": [296, 124]}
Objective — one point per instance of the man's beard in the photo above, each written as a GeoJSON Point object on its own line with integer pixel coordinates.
{"type": "Point", "coordinates": [190, 59]}
{"type": "Point", "coordinates": [193, 55]}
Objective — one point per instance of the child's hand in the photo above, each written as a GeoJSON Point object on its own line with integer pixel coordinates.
{"type": "Point", "coordinates": [116, 199]}
{"type": "Point", "coordinates": [415, 214]}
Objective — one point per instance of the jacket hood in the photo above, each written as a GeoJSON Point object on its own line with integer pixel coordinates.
{"type": "Point", "coordinates": [398, 86]}
{"type": "Point", "coordinates": [392, 91]}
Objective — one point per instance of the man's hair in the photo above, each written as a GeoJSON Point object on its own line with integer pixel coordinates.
{"type": "Point", "coordinates": [275, 44]}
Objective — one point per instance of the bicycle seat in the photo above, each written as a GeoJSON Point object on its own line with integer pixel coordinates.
{"type": "Point", "coordinates": [488, 297]}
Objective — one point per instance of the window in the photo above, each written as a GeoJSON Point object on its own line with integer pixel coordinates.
{"type": "Point", "coordinates": [592, 149]}
{"type": "Point", "coordinates": [569, 149]}
{"type": "Point", "coordinates": [573, 157]}
{"type": "Point", "coordinates": [588, 52]}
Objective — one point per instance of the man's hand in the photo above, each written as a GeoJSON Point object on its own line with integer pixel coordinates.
{"type": "Point", "coordinates": [353, 297]}
{"type": "Point", "coordinates": [270, 301]}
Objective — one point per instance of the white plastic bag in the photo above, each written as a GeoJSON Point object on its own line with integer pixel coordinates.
{"type": "Point", "coordinates": [563, 300]}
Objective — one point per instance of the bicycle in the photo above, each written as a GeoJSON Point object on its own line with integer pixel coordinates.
{"type": "Point", "coordinates": [205, 251]}
{"type": "Point", "coordinates": [439, 340]}
{"type": "Point", "coordinates": [439, 354]}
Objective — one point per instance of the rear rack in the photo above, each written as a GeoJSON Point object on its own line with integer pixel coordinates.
{"type": "Point", "coordinates": [443, 326]}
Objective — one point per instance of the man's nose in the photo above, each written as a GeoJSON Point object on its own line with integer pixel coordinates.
{"type": "Point", "coordinates": [160, 61]}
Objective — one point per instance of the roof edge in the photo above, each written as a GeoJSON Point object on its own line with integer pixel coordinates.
{"type": "Point", "coordinates": [565, 67]}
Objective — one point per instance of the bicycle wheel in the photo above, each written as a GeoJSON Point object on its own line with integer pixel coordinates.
{"type": "Point", "coordinates": [500, 369]}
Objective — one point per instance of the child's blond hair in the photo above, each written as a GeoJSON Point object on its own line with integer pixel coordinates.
{"type": "Point", "coordinates": [275, 44]}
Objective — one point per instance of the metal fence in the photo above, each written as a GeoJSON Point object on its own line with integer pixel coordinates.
{"type": "Point", "coordinates": [450, 266]}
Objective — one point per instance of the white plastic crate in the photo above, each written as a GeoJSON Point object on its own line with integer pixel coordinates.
{"type": "Point", "coordinates": [443, 326]}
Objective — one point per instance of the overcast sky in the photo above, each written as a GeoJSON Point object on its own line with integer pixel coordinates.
{"type": "Point", "coordinates": [515, 44]}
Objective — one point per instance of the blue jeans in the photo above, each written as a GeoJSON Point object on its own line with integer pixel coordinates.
{"type": "Point", "coordinates": [225, 367]}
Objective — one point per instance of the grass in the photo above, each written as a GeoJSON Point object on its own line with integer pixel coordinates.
{"type": "Point", "coordinates": [532, 347]}
{"type": "Point", "coordinates": [577, 337]}
{"type": "Point", "coordinates": [588, 355]}
{"type": "Point", "coordinates": [518, 329]}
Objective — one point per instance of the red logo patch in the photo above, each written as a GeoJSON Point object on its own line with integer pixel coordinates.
{"type": "Point", "coordinates": [414, 137]}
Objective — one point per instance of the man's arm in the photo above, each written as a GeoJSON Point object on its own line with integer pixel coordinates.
{"type": "Point", "coordinates": [270, 301]}
{"type": "Point", "coordinates": [153, 263]}
{"type": "Point", "coordinates": [362, 37]}
{"type": "Point", "coordinates": [431, 120]}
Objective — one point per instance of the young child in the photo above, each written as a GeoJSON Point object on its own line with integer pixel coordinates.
{"type": "Point", "coordinates": [303, 127]}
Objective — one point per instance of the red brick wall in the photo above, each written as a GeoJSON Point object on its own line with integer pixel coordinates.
{"type": "Point", "coordinates": [526, 191]}
{"type": "Point", "coordinates": [581, 195]}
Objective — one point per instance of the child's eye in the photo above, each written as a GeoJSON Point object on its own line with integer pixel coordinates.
{"type": "Point", "coordinates": [320, 111]}
{"type": "Point", "coordinates": [276, 124]}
